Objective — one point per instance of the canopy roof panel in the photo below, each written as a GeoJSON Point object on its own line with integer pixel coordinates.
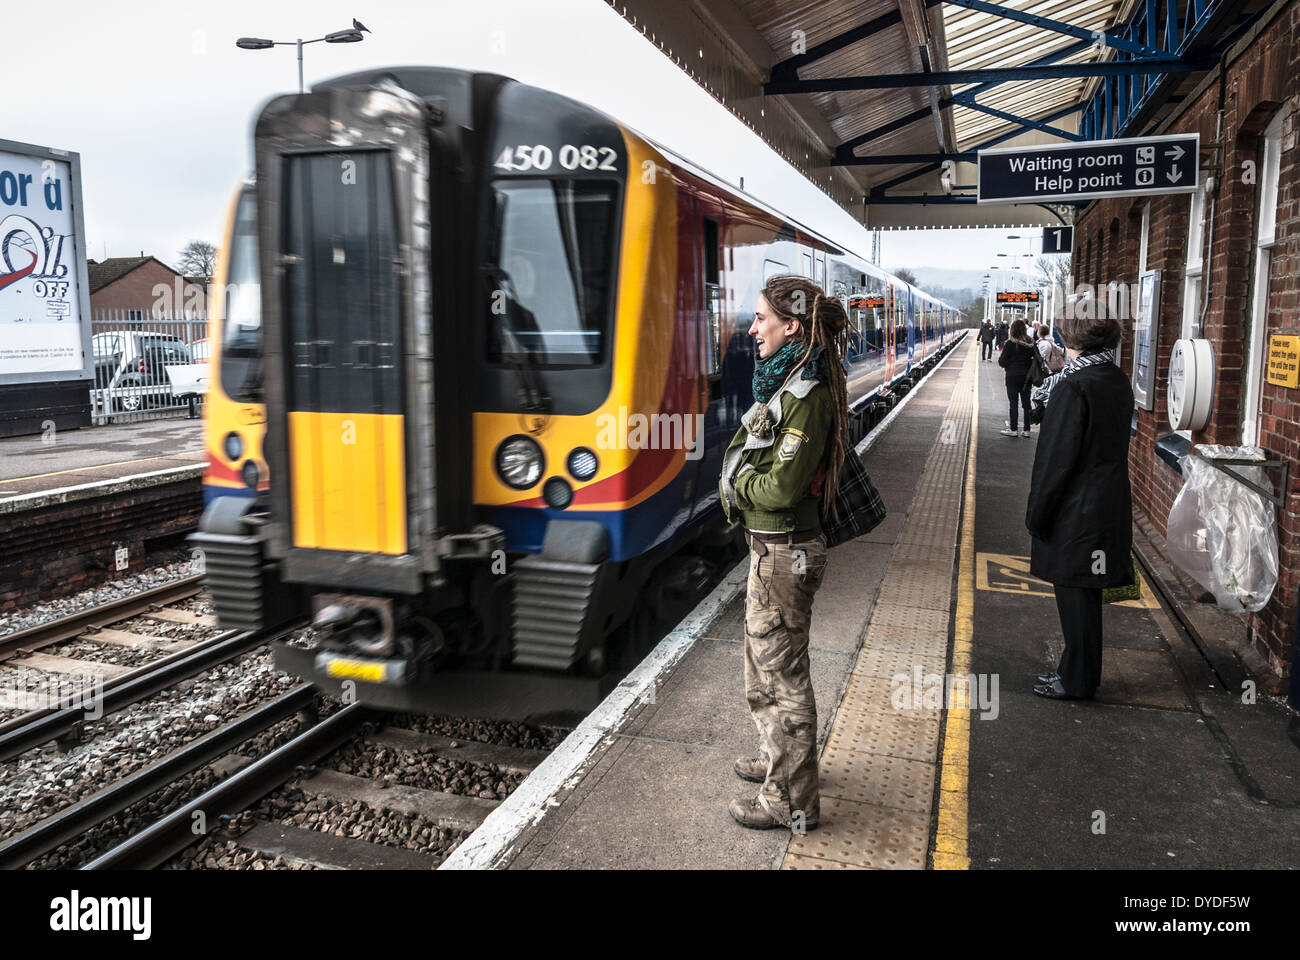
{"type": "Point", "coordinates": [839, 87]}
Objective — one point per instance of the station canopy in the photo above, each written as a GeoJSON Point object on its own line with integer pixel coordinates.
{"type": "Point", "coordinates": [878, 102]}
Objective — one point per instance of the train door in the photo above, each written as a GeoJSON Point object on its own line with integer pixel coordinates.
{"type": "Point", "coordinates": [716, 422]}
{"type": "Point", "coordinates": [911, 325]}
{"type": "Point", "coordinates": [890, 331]}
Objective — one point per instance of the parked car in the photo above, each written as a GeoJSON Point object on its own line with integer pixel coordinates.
{"type": "Point", "coordinates": [131, 366]}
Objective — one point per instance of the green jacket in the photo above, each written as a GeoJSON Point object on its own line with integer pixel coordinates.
{"type": "Point", "coordinates": [767, 474]}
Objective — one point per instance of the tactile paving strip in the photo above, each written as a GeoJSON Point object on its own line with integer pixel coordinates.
{"type": "Point", "coordinates": [875, 778]}
{"type": "Point", "coordinates": [888, 735]}
{"type": "Point", "coordinates": [879, 765]}
{"type": "Point", "coordinates": [890, 661]}
{"type": "Point", "coordinates": [859, 835]}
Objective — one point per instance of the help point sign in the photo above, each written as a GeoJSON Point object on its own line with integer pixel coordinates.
{"type": "Point", "coordinates": [41, 265]}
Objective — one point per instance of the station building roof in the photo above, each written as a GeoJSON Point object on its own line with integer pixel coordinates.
{"type": "Point", "coordinates": [837, 87]}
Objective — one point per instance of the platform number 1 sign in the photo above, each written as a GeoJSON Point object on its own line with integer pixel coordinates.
{"type": "Point", "coordinates": [1058, 239]}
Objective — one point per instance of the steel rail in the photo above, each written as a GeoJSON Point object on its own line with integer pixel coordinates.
{"type": "Point", "coordinates": [75, 820]}
{"type": "Point", "coordinates": [174, 832]}
{"type": "Point", "coordinates": [132, 688]}
{"type": "Point", "coordinates": [31, 716]}
{"type": "Point", "coordinates": [73, 625]}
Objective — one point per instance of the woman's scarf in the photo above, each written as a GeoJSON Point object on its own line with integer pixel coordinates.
{"type": "Point", "coordinates": [1078, 363]}
{"type": "Point", "coordinates": [771, 373]}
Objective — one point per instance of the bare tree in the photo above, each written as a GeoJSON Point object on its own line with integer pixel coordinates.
{"type": "Point", "coordinates": [1054, 270]}
{"type": "Point", "coordinates": [198, 259]}
{"type": "Point", "coordinates": [906, 275]}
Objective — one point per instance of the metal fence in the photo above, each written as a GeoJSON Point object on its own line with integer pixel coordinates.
{"type": "Point", "coordinates": [147, 367]}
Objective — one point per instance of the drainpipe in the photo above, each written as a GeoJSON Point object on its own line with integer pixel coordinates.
{"type": "Point", "coordinates": [1212, 194]}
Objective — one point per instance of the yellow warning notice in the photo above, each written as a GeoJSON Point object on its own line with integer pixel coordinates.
{"type": "Point", "coordinates": [1006, 573]}
{"type": "Point", "coordinates": [1284, 361]}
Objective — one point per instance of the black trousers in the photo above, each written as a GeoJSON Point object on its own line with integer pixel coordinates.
{"type": "Point", "coordinates": [988, 350]}
{"type": "Point", "coordinates": [1019, 392]}
{"type": "Point", "coordinates": [1080, 612]}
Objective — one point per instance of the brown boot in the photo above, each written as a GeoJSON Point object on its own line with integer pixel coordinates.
{"type": "Point", "coordinates": [750, 768]}
{"type": "Point", "coordinates": [752, 814]}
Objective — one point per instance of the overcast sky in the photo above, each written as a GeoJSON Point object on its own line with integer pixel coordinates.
{"type": "Point", "coordinates": [159, 102]}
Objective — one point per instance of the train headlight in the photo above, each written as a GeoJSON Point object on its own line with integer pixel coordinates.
{"type": "Point", "coordinates": [251, 474]}
{"type": "Point", "coordinates": [520, 462]}
{"type": "Point", "coordinates": [233, 446]}
{"type": "Point", "coordinates": [582, 463]}
{"type": "Point", "coordinates": [557, 493]}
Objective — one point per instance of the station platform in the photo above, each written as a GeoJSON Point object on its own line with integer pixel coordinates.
{"type": "Point", "coordinates": [74, 458]}
{"type": "Point", "coordinates": [1165, 768]}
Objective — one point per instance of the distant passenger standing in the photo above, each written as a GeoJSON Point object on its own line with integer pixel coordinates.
{"type": "Point", "coordinates": [1016, 358]}
{"type": "Point", "coordinates": [986, 340]}
{"type": "Point", "coordinates": [1052, 355]}
{"type": "Point", "coordinates": [783, 460]}
{"type": "Point", "coordinates": [1002, 334]}
{"type": "Point", "coordinates": [1079, 512]}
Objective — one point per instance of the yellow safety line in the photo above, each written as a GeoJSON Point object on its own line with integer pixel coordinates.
{"type": "Point", "coordinates": [97, 466]}
{"type": "Point", "coordinates": [950, 840]}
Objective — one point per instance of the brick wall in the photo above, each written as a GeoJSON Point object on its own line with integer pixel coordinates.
{"type": "Point", "coordinates": [1264, 79]}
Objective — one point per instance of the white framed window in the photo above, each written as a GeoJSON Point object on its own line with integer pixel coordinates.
{"type": "Point", "coordinates": [807, 265]}
{"type": "Point", "coordinates": [1142, 238]}
{"type": "Point", "coordinates": [1265, 226]}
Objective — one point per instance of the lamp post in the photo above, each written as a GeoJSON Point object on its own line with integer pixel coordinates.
{"type": "Point", "coordinates": [338, 36]}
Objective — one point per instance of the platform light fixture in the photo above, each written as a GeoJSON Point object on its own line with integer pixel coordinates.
{"type": "Point", "coordinates": [352, 35]}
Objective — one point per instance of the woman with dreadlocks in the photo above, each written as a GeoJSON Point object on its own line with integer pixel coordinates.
{"type": "Point", "coordinates": [783, 463]}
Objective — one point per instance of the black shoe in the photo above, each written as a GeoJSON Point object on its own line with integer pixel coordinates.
{"type": "Point", "coordinates": [1047, 677]}
{"type": "Point", "coordinates": [1055, 691]}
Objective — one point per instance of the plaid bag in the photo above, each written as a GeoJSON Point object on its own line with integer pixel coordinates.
{"type": "Point", "coordinates": [858, 503]}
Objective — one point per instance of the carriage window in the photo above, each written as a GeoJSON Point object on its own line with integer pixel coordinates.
{"type": "Point", "coordinates": [551, 257]}
{"type": "Point", "coordinates": [712, 300]}
{"type": "Point", "coordinates": [773, 269]}
{"type": "Point", "coordinates": [807, 265]}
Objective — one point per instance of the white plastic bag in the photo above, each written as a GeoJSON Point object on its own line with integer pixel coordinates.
{"type": "Point", "coordinates": [1221, 533]}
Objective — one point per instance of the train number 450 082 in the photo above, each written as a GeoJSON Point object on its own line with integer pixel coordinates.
{"type": "Point", "coordinates": [571, 157]}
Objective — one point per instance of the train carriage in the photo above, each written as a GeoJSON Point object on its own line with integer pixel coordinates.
{"type": "Point", "coordinates": [474, 429]}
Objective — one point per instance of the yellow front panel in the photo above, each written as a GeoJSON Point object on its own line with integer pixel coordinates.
{"type": "Point", "coordinates": [349, 487]}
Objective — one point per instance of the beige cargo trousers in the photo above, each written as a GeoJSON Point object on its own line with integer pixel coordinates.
{"type": "Point", "coordinates": [783, 578]}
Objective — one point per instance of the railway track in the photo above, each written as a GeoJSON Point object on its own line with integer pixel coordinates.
{"type": "Point", "coordinates": [300, 803]}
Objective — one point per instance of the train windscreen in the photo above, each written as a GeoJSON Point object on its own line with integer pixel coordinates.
{"type": "Point", "coordinates": [241, 327]}
{"type": "Point", "coordinates": [552, 258]}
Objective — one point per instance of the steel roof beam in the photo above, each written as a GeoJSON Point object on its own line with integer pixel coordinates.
{"type": "Point", "coordinates": [1112, 68]}
{"type": "Point", "coordinates": [964, 101]}
{"type": "Point", "coordinates": [844, 151]}
{"type": "Point", "coordinates": [1060, 26]}
{"type": "Point", "coordinates": [879, 189]}
{"type": "Point", "coordinates": [786, 69]}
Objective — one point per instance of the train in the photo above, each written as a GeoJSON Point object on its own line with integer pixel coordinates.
{"type": "Point", "coordinates": [477, 351]}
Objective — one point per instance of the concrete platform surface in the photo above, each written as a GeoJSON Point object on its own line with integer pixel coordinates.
{"type": "Point", "coordinates": [70, 458]}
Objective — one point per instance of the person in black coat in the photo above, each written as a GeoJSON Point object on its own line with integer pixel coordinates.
{"type": "Point", "coordinates": [1016, 358]}
{"type": "Point", "coordinates": [986, 340]}
{"type": "Point", "coordinates": [1079, 514]}
{"type": "Point", "coordinates": [1001, 334]}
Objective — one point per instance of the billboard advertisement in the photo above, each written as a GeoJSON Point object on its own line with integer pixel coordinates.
{"type": "Point", "coordinates": [44, 313]}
